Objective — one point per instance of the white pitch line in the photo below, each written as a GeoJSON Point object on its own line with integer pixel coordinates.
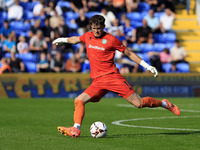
{"type": "Point", "coordinates": [119, 122]}
{"type": "Point", "coordinates": [182, 110]}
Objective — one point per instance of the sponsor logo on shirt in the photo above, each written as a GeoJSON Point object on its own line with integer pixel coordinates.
{"type": "Point", "coordinates": [104, 41]}
{"type": "Point", "coordinates": [97, 47]}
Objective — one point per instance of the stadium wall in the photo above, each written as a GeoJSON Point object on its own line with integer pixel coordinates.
{"type": "Point", "coordinates": [70, 85]}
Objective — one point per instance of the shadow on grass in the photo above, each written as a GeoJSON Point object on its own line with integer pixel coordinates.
{"type": "Point", "coordinates": [147, 134]}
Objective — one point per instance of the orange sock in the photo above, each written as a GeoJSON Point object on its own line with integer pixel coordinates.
{"type": "Point", "coordinates": [150, 102]}
{"type": "Point", "coordinates": [79, 111]}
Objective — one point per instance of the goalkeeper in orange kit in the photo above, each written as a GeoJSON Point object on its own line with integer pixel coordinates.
{"type": "Point", "coordinates": [100, 47]}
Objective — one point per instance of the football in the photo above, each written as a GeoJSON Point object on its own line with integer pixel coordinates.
{"type": "Point", "coordinates": [98, 129]}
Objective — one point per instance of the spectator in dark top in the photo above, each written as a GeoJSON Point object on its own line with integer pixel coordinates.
{"type": "Point", "coordinates": [82, 22]}
{"type": "Point", "coordinates": [16, 64]}
{"type": "Point", "coordinates": [52, 6]}
{"type": "Point", "coordinates": [47, 31]}
{"type": "Point", "coordinates": [62, 31]}
{"type": "Point", "coordinates": [43, 65]}
{"type": "Point", "coordinates": [52, 51]}
{"type": "Point", "coordinates": [34, 28]}
{"type": "Point", "coordinates": [62, 28]}
{"type": "Point", "coordinates": [78, 4]}
{"type": "Point", "coordinates": [6, 30]}
{"type": "Point", "coordinates": [110, 7]}
{"type": "Point", "coordinates": [119, 5]}
{"type": "Point", "coordinates": [93, 5]}
{"type": "Point", "coordinates": [169, 4]}
{"type": "Point", "coordinates": [144, 34]}
{"type": "Point", "coordinates": [5, 68]}
{"type": "Point", "coordinates": [58, 63]}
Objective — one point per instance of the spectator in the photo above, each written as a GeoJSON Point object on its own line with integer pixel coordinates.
{"type": "Point", "coordinates": [22, 45]}
{"type": "Point", "coordinates": [62, 28]}
{"type": "Point", "coordinates": [132, 5]}
{"type": "Point", "coordinates": [58, 63]}
{"type": "Point", "coordinates": [155, 60]}
{"type": "Point", "coordinates": [9, 44]}
{"type": "Point", "coordinates": [2, 5]}
{"type": "Point", "coordinates": [6, 30]}
{"type": "Point", "coordinates": [78, 4]}
{"type": "Point", "coordinates": [16, 64]}
{"type": "Point", "coordinates": [15, 12]}
{"type": "Point", "coordinates": [109, 17]}
{"type": "Point", "coordinates": [5, 68]}
{"type": "Point", "coordinates": [43, 65]}
{"type": "Point", "coordinates": [73, 64]}
{"type": "Point", "coordinates": [47, 31]}
{"type": "Point", "coordinates": [165, 56]}
{"type": "Point", "coordinates": [52, 7]}
{"type": "Point", "coordinates": [34, 28]}
{"type": "Point", "coordinates": [82, 22]}
{"type": "Point", "coordinates": [38, 43]}
{"type": "Point", "coordinates": [116, 26]}
{"type": "Point", "coordinates": [129, 31]}
{"type": "Point", "coordinates": [93, 5]}
{"type": "Point", "coordinates": [144, 34]}
{"type": "Point", "coordinates": [119, 5]}
{"type": "Point", "coordinates": [54, 20]}
{"type": "Point", "coordinates": [154, 4]}
{"type": "Point", "coordinates": [52, 51]}
{"type": "Point", "coordinates": [167, 20]}
{"type": "Point", "coordinates": [178, 53]}
{"type": "Point", "coordinates": [123, 19]}
{"type": "Point", "coordinates": [170, 4]}
{"type": "Point", "coordinates": [120, 35]}
{"type": "Point", "coordinates": [110, 7]}
{"type": "Point", "coordinates": [38, 8]}
{"type": "Point", "coordinates": [152, 21]}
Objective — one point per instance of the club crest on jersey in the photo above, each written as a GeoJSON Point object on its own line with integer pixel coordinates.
{"type": "Point", "coordinates": [104, 41]}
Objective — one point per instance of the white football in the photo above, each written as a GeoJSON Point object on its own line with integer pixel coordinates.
{"type": "Point", "coordinates": [98, 129]}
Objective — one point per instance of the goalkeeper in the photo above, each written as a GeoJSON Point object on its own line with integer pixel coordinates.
{"type": "Point", "coordinates": [100, 47]}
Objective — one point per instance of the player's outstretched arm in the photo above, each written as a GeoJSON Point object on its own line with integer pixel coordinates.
{"type": "Point", "coordinates": [138, 60]}
{"type": "Point", "coordinates": [71, 40]}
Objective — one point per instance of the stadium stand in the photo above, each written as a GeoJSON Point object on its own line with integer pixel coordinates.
{"type": "Point", "coordinates": [161, 40]}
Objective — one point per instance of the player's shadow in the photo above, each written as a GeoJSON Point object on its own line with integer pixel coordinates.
{"type": "Point", "coordinates": [142, 134]}
{"type": "Point", "coordinates": [149, 134]}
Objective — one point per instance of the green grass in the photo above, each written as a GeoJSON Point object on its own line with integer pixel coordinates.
{"type": "Point", "coordinates": [30, 124]}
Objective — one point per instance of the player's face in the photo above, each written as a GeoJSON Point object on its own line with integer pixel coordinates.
{"type": "Point", "coordinates": [97, 30]}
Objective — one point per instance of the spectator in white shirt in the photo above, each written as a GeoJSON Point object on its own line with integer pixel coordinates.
{"type": "Point", "coordinates": [38, 8]}
{"type": "Point", "coordinates": [167, 20]}
{"type": "Point", "coordinates": [108, 15]}
{"type": "Point", "coordinates": [15, 12]}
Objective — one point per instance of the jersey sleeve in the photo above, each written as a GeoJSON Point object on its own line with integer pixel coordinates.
{"type": "Point", "coordinates": [117, 45]}
{"type": "Point", "coordinates": [82, 37]}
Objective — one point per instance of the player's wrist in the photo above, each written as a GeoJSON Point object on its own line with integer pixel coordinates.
{"type": "Point", "coordinates": [144, 64]}
{"type": "Point", "coordinates": [64, 40]}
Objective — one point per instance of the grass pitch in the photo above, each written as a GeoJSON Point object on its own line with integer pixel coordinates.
{"type": "Point", "coordinates": [31, 124]}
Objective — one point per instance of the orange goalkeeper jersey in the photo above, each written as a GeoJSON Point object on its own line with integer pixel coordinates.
{"type": "Point", "coordinates": [100, 52]}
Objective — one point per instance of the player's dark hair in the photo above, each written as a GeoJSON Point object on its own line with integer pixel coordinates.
{"type": "Point", "coordinates": [97, 20]}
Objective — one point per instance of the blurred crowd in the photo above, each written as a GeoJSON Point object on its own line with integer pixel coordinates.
{"type": "Point", "coordinates": [28, 28]}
